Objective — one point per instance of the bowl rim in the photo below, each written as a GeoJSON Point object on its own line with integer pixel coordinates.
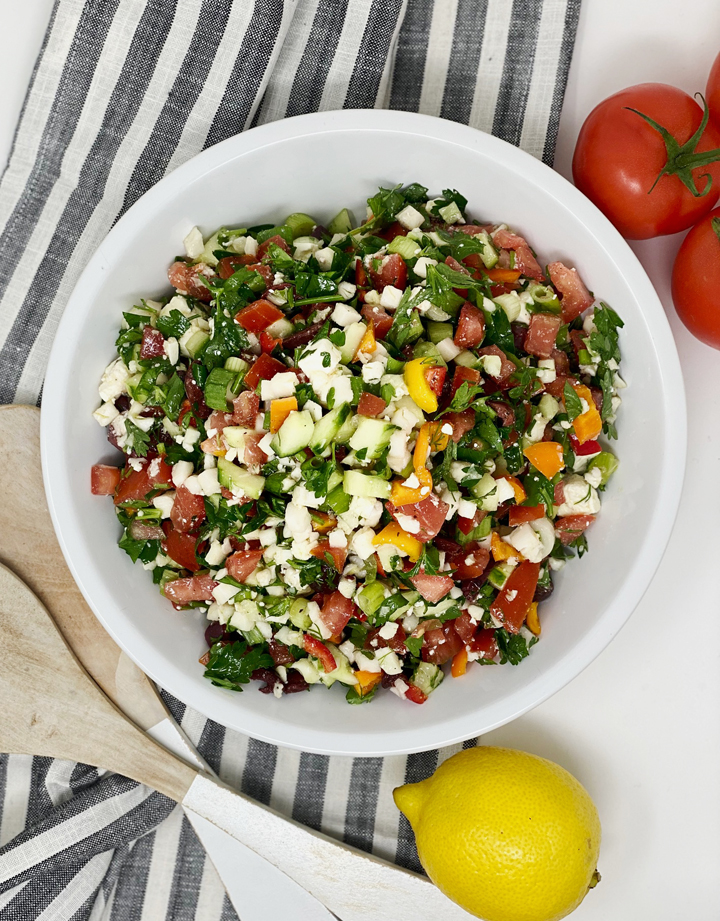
{"type": "Point", "coordinates": [453, 729]}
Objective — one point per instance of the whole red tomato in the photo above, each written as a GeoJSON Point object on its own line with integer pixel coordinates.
{"type": "Point", "coordinates": [696, 280]}
{"type": "Point", "coordinates": [619, 157]}
{"type": "Point", "coordinates": [712, 92]}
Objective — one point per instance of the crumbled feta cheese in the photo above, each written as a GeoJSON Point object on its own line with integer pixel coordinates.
{"type": "Point", "coordinates": [320, 356]}
{"type": "Point", "coordinates": [305, 247]}
{"type": "Point", "coordinates": [388, 630]}
{"type": "Point", "coordinates": [346, 290]}
{"type": "Point", "coordinates": [362, 543]}
{"type": "Point", "coordinates": [372, 297]}
{"type": "Point", "coordinates": [466, 509]}
{"type": "Point", "coordinates": [526, 541]}
{"type": "Point", "coordinates": [298, 523]}
{"type": "Point", "coordinates": [546, 370]}
{"type": "Point", "coordinates": [179, 303]}
{"type": "Point", "coordinates": [280, 386]}
{"type": "Point", "coordinates": [365, 663]}
{"type": "Point", "coordinates": [409, 218]}
{"type": "Point", "coordinates": [373, 371]}
{"type": "Point", "coordinates": [390, 297]}
{"type": "Point", "coordinates": [223, 592]}
{"type": "Point", "coordinates": [165, 502]}
{"type": "Point", "coordinates": [315, 410]}
{"type": "Point", "coordinates": [408, 524]}
{"type": "Point", "coordinates": [192, 484]}
{"type": "Point", "coordinates": [389, 662]}
{"type": "Point", "coordinates": [421, 266]}
{"type": "Point", "coordinates": [594, 477]}
{"type": "Point", "coordinates": [412, 482]}
{"type": "Point", "coordinates": [251, 246]}
{"type": "Point", "coordinates": [337, 538]}
{"type": "Point", "coordinates": [447, 349]}
{"type": "Point", "coordinates": [343, 315]}
{"type": "Point", "coordinates": [265, 444]}
{"type": "Point", "coordinates": [181, 471]}
{"type": "Point", "coordinates": [347, 587]}
{"type": "Point", "coordinates": [579, 497]}
{"type": "Point", "coordinates": [106, 413]}
{"type": "Point", "coordinates": [194, 244]}
{"type": "Point", "coordinates": [218, 551]}
{"type": "Point", "coordinates": [208, 481]}
{"type": "Point", "coordinates": [172, 350]}
{"type": "Point", "coordinates": [325, 258]}
{"type": "Point", "coordinates": [304, 497]}
{"type": "Point", "coordinates": [113, 383]}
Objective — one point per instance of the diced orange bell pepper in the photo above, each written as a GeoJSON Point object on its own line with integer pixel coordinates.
{"type": "Point", "coordinates": [322, 522]}
{"type": "Point", "coordinates": [502, 550]}
{"type": "Point", "coordinates": [430, 438]}
{"type": "Point", "coordinates": [588, 425]}
{"type": "Point", "coordinates": [546, 456]}
{"type": "Point", "coordinates": [502, 276]}
{"type": "Point", "coordinates": [409, 495]}
{"type": "Point", "coordinates": [368, 343]}
{"type": "Point", "coordinates": [531, 619]}
{"type": "Point", "coordinates": [520, 494]}
{"type": "Point", "coordinates": [459, 663]}
{"type": "Point", "coordinates": [367, 681]}
{"type": "Point", "coordinates": [280, 410]}
{"type": "Point", "coordinates": [394, 534]}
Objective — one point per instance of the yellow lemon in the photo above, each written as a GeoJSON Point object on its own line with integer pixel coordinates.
{"type": "Point", "coordinates": [507, 835]}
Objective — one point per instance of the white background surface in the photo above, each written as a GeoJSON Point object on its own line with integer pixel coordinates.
{"type": "Point", "coordinates": [640, 726]}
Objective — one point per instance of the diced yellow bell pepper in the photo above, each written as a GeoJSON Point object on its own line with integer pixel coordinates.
{"type": "Point", "coordinates": [394, 534]}
{"type": "Point", "coordinates": [546, 456]}
{"type": "Point", "coordinates": [532, 620]}
{"type": "Point", "coordinates": [430, 438]}
{"type": "Point", "coordinates": [280, 410]}
{"type": "Point", "coordinates": [520, 494]}
{"type": "Point", "coordinates": [588, 425]}
{"type": "Point", "coordinates": [417, 384]}
{"type": "Point", "coordinates": [368, 343]}
{"type": "Point", "coordinates": [366, 681]}
{"type": "Point", "coordinates": [502, 550]}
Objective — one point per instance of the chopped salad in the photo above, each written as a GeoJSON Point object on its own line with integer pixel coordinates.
{"type": "Point", "coordinates": [362, 450]}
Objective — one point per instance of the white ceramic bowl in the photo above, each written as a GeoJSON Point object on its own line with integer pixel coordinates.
{"type": "Point", "coordinates": [319, 163]}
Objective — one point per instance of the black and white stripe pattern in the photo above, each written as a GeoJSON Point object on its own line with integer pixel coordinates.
{"type": "Point", "coordinates": [123, 92]}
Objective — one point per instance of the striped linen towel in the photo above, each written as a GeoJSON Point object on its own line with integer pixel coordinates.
{"type": "Point", "coordinates": [124, 91]}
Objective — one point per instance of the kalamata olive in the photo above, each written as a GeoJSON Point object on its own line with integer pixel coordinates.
{"type": "Point", "coordinates": [302, 337]}
{"type": "Point", "coordinates": [320, 232]}
{"type": "Point", "coordinates": [519, 331]}
{"type": "Point", "coordinates": [122, 403]}
{"type": "Point", "coordinates": [543, 591]}
{"type": "Point", "coordinates": [217, 632]}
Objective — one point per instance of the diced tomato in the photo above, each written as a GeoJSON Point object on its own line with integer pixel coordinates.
{"type": "Point", "coordinates": [471, 327]}
{"type": "Point", "coordinates": [470, 564]}
{"type": "Point", "coordinates": [264, 271]}
{"type": "Point", "coordinates": [252, 452]}
{"type": "Point", "coordinates": [415, 695]}
{"type": "Point", "coordinates": [465, 627]}
{"type": "Point", "coordinates": [435, 376]}
{"type": "Point", "coordinates": [432, 588]}
{"type": "Point", "coordinates": [362, 279]}
{"type": "Point", "coordinates": [396, 641]}
{"type": "Point", "coordinates": [559, 493]}
{"type": "Point", "coordinates": [440, 645]}
{"type": "Point", "coordinates": [462, 423]}
{"type": "Point", "coordinates": [524, 259]}
{"type": "Point", "coordinates": [395, 229]}
{"type": "Point", "coordinates": [104, 479]}
{"type": "Point", "coordinates": [194, 588]}
{"type": "Point", "coordinates": [246, 406]}
{"type": "Point", "coordinates": [519, 514]}
{"type": "Point", "coordinates": [588, 447]}
{"type": "Point", "coordinates": [430, 515]}
{"type": "Point", "coordinates": [391, 271]}
{"type": "Point", "coordinates": [313, 647]}
{"type": "Point", "coordinates": [264, 247]}
{"type": "Point", "coordinates": [512, 602]}
{"type": "Point", "coordinates": [577, 338]}
{"type": "Point", "coordinates": [242, 564]}
{"type": "Point", "coordinates": [136, 484]}
{"type": "Point", "coordinates": [338, 554]}
{"type": "Point", "coordinates": [180, 547]}
{"type": "Point", "coordinates": [507, 367]}
{"type": "Point", "coordinates": [557, 387]}
{"type": "Point", "coordinates": [153, 343]}
{"type": "Point", "coordinates": [462, 374]}
{"type": "Point", "coordinates": [188, 510]}
{"type": "Point", "coordinates": [219, 421]}
{"type": "Point", "coordinates": [258, 316]}
{"type": "Point", "coordinates": [336, 612]}
{"type": "Point", "coordinates": [370, 405]}
{"type": "Point", "coordinates": [380, 319]}
{"type": "Point", "coordinates": [456, 266]}
{"type": "Point", "coordinates": [466, 525]}
{"type": "Point", "coordinates": [571, 527]}
{"type": "Point", "coordinates": [268, 342]}
{"type": "Point", "coordinates": [542, 333]}
{"type": "Point", "coordinates": [575, 297]}
{"type": "Point", "coordinates": [264, 369]}
{"type": "Point", "coordinates": [228, 265]}
{"type": "Point", "coordinates": [562, 362]}
{"type": "Point", "coordinates": [484, 642]}
{"type": "Point", "coordinates": [187, 280]}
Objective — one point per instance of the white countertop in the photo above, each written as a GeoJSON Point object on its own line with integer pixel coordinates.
{"type": "Point", "coordinates": [640, 726]}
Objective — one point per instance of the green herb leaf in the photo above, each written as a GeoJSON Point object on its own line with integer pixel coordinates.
{"type": "Point", "coordinates": [137, 440]}
{"type": "Point", "coordinates": [573, 406]}
{"type": "Point", "coordinates": [231, 666]}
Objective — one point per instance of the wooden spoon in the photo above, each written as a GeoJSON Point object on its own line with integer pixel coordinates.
{"type": "Point", "coordinates": [27, 537]}
{"type": "Point", "coordinates": [51, 707]}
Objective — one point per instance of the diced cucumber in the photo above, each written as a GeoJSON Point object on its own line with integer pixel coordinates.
{"type": "Point", "coordinates": [363, 484]}
{"type": "Point", "coordinates": [335, 479]}
{"type": "Point", "coordinates": [486, 490]}
{"type": "Point", "coordinates": [499, 574]}
{"type": "Point", "coordinates": [342, 672]}
{"type": "Point", "coordinates": [428, 677]}
{"type": "Point", "coordinates": [371, 436]}
{"type": "Point", "coordinates": [327, 427]}
{"type": "Point", "coordinates": [370, 597]}
{"type": "Point", "coordinates": [353, 337]}
{"type": "Point", "coordinates": [423, 349]}
{"type": "Point", "coordinates": [238, 480]}
{"type": "Point", "coordinates": [234, 435]}
{"type": "Point", "coordinates": [606, 463]}
{"type": "Point", "coordinates": [280, 328]}
{"type": "Point", "coordinates": [300, 224]}
{"type": "Point", "coordinates": [298, 614]}
{"type": "Point", "coordinates": [467, 359]}
{"type": "Point", "coordinates": [439, 331]}
{"type": "Point", "coordinates": [348, 429]}
{"type": "Point", "coordinates": [490, 254]}
{"type": "Point", "coordinates": [394, 366]}
{"type": "Point", "coordinates": [548, 406]}
{"type": "Point", "coordinates": [341, 223]}
{"type": "Point", "coordinates": [211, 244]}
{"type": "Point", "coordinates": [294, 434]}
{"type": "Point", "coordinates": [451, 214]}
{"type": "Point", "coordinates": [404, 246]}
{"type": "Point", "coordinates": [308, 670]}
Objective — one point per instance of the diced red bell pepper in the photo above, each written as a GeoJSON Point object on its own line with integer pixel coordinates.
{"type": "Point", "coordinates": [466, 525]}
{"type": "Point", "coordinates": [267, 342]}
{"type": "Point", "coordinates": [264, 369]}
{"type": "Point", "coordinates": [512, 602]}
{"type": "Point", "coordinates": [462, 374]}
{"type": "Point", "coordinates": [415, 695]}
{"type": "Point", "coordinates": [470, 563]}
{"type": "Point", "coordinates": [587, 447]}
{"type": "Point", "coordinates": [519, 514]}
{"type": "Point", "coordinates": [258, 316]}
{"type": "Point", "coordinates": [313, 647]}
